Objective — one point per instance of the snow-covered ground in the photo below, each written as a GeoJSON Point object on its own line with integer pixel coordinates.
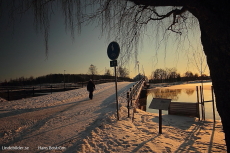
{"type": "Point", "coordinates": [180, 134]}
{"type": "Point", "coordinates": [53, 99]}
{"type": "Point", "coordinates": [60, 119]}
{"type": "Point", "coordinates": [70, 122]}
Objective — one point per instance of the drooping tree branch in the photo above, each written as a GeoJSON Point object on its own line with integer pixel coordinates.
{"type": "Point", "coordinates": [115, 17]}
{"type": "Point", "coordinates": [163, 2]}
{"type": "Point", "coordinates": [176, 12]}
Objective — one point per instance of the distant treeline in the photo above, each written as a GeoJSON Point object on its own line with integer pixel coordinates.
{"type": "Point", "coordinates": [57, 78]}
{"type": "Point", "coordinates": [171, 75]}
{"type": "Point", "coordinates": [157, 76]}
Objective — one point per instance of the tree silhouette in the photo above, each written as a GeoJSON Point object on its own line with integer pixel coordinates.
{"type": "Point", "coordinates": [123, 72]}
{"type": "Point", "coordinates": [127, 20]}
{"type": "Point", "coordinates": [92, 70]}
{"type": "Point", "coordinates": [159, 74]}
{"type": "Point", "coordinates": [189, 75]}
{"type": "Point", "coordinates": [108, 72]}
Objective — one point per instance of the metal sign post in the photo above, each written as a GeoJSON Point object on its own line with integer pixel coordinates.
{"type": "Point", "coordinates": [116, 91]}
{"type": "Point", "coordinates": [113, 52]}
{"type": "Point", "coordinates": [160, 121]}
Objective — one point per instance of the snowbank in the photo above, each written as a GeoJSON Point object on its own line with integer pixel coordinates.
{"type": "Point", "coordinates": [52, 99]}
{"type": "Point", "coordinates": [180, 134]}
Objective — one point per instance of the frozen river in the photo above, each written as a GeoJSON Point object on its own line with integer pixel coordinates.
{"type": "Point", "coordinates": [183, 93]}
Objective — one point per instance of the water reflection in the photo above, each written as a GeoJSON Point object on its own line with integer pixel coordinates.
{"type": "Point", "coordinates": [189, 91]}
{"type": "Point", "coordinates": [169, 93]}
{"type": "Point", "coordinates": [177, 95]}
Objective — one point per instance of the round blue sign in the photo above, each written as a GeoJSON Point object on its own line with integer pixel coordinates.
{"type": "Point", "coordinates": [113, 50]}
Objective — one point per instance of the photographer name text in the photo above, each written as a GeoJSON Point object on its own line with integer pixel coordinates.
{"type": "Point", "coordinates": [51, 148]}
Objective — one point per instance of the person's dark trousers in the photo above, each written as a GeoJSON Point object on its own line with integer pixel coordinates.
{"type": "Point", "coordinates": [91, 94]}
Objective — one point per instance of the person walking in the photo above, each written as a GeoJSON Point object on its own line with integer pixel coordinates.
{"type": "Point", "coordinates": [90, 88]}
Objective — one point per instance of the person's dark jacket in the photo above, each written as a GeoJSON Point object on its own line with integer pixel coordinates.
{"type": "Point", "coordinates": [90, 86]}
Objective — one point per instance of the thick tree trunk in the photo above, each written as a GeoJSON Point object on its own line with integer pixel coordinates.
{"type": "Point", "coordinates": [215, 38]}
{"type": "Point", "coordinates": [218, 58]}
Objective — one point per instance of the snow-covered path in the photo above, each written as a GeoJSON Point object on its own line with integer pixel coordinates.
{"type": "Point", "coordinates": [56, 122]}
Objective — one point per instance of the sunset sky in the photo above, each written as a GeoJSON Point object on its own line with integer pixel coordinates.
{"type": "Point", "coordinates": [22, 51]}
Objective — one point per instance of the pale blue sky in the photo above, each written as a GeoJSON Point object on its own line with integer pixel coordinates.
{"type": "Point", "coordinates": [23, 51]}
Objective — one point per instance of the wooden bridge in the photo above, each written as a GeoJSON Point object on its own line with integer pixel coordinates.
{"type": "Point", "coordinates": [133, 96]}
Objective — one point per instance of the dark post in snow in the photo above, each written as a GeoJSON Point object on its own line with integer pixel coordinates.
{"type": "Point", "coordinates": [198, 103]}
{"type": "Point", "coordinates": [113, 52]}
{"type": "Point", "coordinates": [128, 103]}
{"type": "Point", "coordinates": [160, 121]}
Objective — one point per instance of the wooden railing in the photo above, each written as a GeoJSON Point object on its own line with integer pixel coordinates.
{"type": "Point", "coordinates": [133, 95]}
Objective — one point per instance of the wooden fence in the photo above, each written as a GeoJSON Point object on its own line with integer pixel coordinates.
{"type": "Point", "coordinates": [18, 92]}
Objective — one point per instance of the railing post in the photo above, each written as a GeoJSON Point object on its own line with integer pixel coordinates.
{"type": "Point", "coordinates": [198, 103]}
{"type": "Point", "coordinates": [128, 103]}
{"type": "Point", "coordinates": [51, 89]}
{"type": "Point", "coordinates": [202, 103]}
{"type": "Point", "coordinates": [33, 91]}
{"type": "Point", "coordinates": [131, 96]}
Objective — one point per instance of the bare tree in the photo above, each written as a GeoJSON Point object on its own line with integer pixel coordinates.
{"type": "Point", "coordinates": [200, 61]}
{"type": "Point", "coordinates": [92, 70]}
{"type": "Point", "coordinates": [188, 74]}
{"type": "Point", "coordinates": [108, 72]}
{"type": "Point", "coordinates": [123, 72]}
{"type": "Point", "coordinates": [159, 74]}
{"type": "Point", "coordinates": [171, 73]}
{"type": "Point", "coordinates": [127, 20]}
